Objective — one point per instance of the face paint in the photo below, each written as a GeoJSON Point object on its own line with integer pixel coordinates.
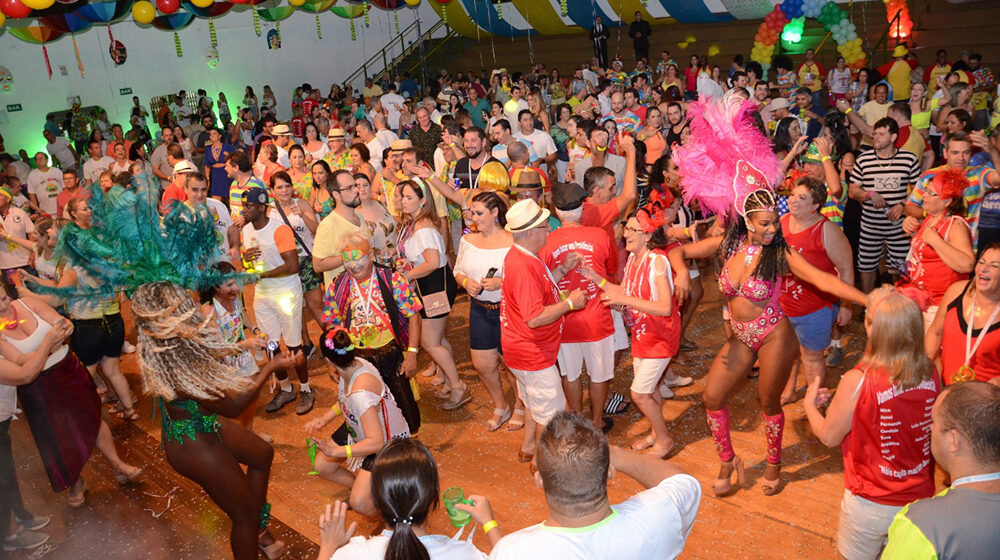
{"type": "Point", "coordinates": [355, 261]}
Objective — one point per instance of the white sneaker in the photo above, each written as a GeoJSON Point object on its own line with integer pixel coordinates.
{"type": "Point", "coordinates": [678, 381]}
{"type": "Point", "coordinates": [128, 348]}
{"type": "Point", "coordinates": [665, 392]}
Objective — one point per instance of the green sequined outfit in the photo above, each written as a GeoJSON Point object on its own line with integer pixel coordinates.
{"type": "Point", "coordinates": [175, 430]}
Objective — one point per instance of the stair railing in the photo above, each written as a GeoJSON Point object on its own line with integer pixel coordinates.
{"type": "Point", "coordinates": [383, 62]}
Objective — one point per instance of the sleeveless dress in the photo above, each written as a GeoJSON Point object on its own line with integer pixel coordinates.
{"type": "Point", "coordinates": [62, 408]}
{"type": "Point", "coordinates": [355, 403]}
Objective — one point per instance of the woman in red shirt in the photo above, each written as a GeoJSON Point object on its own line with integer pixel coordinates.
{"type": "Point", "coordinates": [965, 331]}
{"type": "Point", "coordinates": [941, 250]}
{"type": "Point", "coordinates": [812, 311]}
{"type": "Point", "coordinates": [881, 418]}
{"type": "Point", "coordinates": [647, 295]}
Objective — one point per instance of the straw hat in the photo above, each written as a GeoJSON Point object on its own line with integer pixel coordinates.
{"type": "Point", "coordinates": [525, 215]}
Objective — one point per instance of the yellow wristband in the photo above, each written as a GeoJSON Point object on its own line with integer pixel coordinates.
{"type": "Point", "coordinates": [411, 349]}
{"type": "Point", "coordinates": [824, 159]}
{"type": "Point", "coordinates": [687, 231]}
{"type": "Point", "coordinates": [336, 409]}
{"type": "Point", "coordinates": [602, 282]}
{"type": "Point", "coordinates": [347, 449]}
{"type": "Point", "coordinates": [570, 302]}
{"type": "Point", "coordinates": [489, 526]}
{"type": "Point", "coordinates": [463, 282]}
{"type": "Point", "coordinates": [849, 109]}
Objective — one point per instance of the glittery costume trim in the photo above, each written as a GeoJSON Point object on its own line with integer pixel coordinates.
{"type": "Point", "coordinates": [718, 423]}
{"type": "Point", "coordinates": [774, 428]}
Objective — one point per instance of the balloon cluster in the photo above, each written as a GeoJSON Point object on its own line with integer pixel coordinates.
{"type": "Point", "coordinates": [168, 7]}
{"type": "Point", "coordinates": [14, 9]}
{"type": "Point", "coordinates": [787, 20]}
{"type": "Point", "coordinates": [902, 28]}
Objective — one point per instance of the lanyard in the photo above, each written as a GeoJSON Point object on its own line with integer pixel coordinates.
{"type": "Point", "coordinates": [970, 350]}
{"type": "Point", "coordinates": [975, 478]}
{"type": "Point", "coordinates": [356, 293]}
{"type": "Point", "coordinates": [547, 271]}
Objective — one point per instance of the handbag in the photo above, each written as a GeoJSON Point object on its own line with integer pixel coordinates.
{"type": "Point", "coordinates": [436, 304]}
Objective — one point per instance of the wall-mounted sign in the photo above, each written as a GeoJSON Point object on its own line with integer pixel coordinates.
{"type": "Point", "coordinates": [125, 91]}
{"type": "Point", "coordinates": [14, 108]}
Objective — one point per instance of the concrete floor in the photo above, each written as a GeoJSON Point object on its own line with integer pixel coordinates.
{"type": "Point", "coordinates": [148, 522]}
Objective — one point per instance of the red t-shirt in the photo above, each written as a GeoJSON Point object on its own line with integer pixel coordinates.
{"type": "Point", "coordinates": [602, 216]}
{"type": "Point", "coordinates": [64, 197]}
{"type": "Point", "coordinates": [887, 453]}
{"type": "Point", "coordinates": [523, 296]}
{"type": "Point", "coordinates": [652, 336]}
{"type": "Point", "coordinates": [298, 127]}
{"type": "Point", "coordinates": [926, 269]}
{"type": "Point", "coordinates": [171, 193]}
{"type": "Point", "coordinates": [593, 322]}
{"type": "Point", "coordinates": [800, 297]}
{"type": "Point", "coordinates": [308, 104]}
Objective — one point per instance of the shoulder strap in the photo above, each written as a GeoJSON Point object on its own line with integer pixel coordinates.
{"type": "Point", "coordinates": [290, 226]}
{"type": "Point", "coordinates": [384, 278]}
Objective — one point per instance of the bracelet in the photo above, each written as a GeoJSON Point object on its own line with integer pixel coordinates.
{"type": "Point", "coordinates": [602, 282]}
{"type": "Point", "coordinates": [868, 195]}
{"type": "Point", "coordinates": [336, 409]}
{"type": "Point", "coordinates": [570, 302]}
{"type": "Point", "coordinates": [687, 231]}
{"type": "Point", "coordinates": [489, 526]}
{"type": "Point", "coordinates": [849, 109]}
{"type": "Point", "coordinates": [463, 281]}
{"type": "Point", "coordinates": [411, 349]}
{"type": "Point", "coordinates": [824, 159]}
{"type": "Point", "coordinates": [347, 449]}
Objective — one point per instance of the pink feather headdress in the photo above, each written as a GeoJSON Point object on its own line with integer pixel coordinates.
{"type": "Point", "coordinates": [727, 159]}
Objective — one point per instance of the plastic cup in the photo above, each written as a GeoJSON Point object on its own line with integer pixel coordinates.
{"type": "Point", "coordinates": [450, 497]}
{"type": "Point", "coordinates": [311, 448]}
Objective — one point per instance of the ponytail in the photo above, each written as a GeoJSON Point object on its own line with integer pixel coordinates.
{"type": "Point", "coordinates": [404, 544]}
{"type": "Point", "coordinates": [405, 489]}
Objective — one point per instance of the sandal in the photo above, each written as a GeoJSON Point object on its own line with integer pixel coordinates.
{"type": "Point", "coordinates": [463, 398]}
{"type": "Point", "coordinates": [504, 415]}
{"type": "Point", "coordinates": [125, 476]}
{"type": "Point", "coordinates": [431, 371]}
{"type": "Point", "coordinates": [724, 486]}
{"type": "Point", "coordinates": [616, 404]}
{"type": "Point", "coordinates": [516, 420]}
{"type": "Point", "coordinates": [643, 444]}
{"type": "Point", "coordinates": [274, 550]}
{"type": "Point", "coordinates": [523, 457]}
{"type": "Point", "coordinates": [768, 486]}
{"type": "Point", "coordinates": [77, 501]}
{"type": "Point", "coordinates": [129, 414]}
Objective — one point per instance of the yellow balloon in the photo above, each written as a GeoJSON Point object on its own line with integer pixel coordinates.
{"type": "Point", "coordinates": [3, 19]}
{"type": "Point", "coordinates": [413, 3]}
{"type": "Point", "coordinates": [143, 12]}
{"type": "Point", "coordinates": [38, 4]}
{"type": "Point", "coordinates": [296, 3]}
{"type": "Point", "coordinates": [202, 3]}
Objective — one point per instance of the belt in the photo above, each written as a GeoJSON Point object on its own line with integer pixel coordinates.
{"type": "Point", "coordinates": [485, 304]}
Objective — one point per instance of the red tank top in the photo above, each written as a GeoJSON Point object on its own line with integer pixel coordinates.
{"type": "Point", "coordinates": [800, 297]}
{"type": "Point", "coordinates": [652, 336]}
{"type": "Point", "coordinates": [985, 362]}
{"type": "Point", "coordinates": [887, 453]}
{"type": "Point", "coordinates": [926, 269]}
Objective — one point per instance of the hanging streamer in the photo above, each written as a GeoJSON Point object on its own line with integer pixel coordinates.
{"type": "Point", "coordinates": [48, 65]}
{"type": "Point", "coordinates": [319, 28]}
{"type": "Point", "coordinates": [367, 20]}
{"type": "Point", "coordinates": [277, 28]}
{"type": "Point", "coordinates": [177, 45]}
{"type": "Point", "coordinates": [79, 62]}
{"type": "Point", "coordinates": [444, 16]}
{"type": "Point", "coordinates": [563, 7]}
{"type": "Point", "coordinates": [354, 32]}
{"type": "Point", "coordinates": [211, 33]}
{"type": "Point", "coordinates": [395, 18]}
{"type": "Point", "coordinates": [500, 12]}
{"type": "Point", "coordinates": [256, 21]}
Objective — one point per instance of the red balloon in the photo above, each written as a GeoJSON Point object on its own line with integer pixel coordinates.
{"type": "Point", "coordinates": [168, 6]}
{"type": "Point", "coordinates": [14, 9]}
{"type": "Point", "coordinates": [239, 1]}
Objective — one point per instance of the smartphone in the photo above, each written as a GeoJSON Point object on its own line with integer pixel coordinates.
{"type": "Point", "coordinates": [491, 272]}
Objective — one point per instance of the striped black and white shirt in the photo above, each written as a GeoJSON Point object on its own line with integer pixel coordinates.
{"type": "Point", "coordinates": [890, 177]}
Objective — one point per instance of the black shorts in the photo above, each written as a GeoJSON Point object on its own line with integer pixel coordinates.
{"type": "Point", "coordinates": [484, 326]}
{"type": "Point", "coordinates": [94, 339]}
{"type": "Point", "coordinates": [340, 438]}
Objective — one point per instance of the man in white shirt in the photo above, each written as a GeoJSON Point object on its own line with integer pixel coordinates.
{"type": "Point", "coordinates": [374, 144]}
{"type": "Point", "coordinates": [44, 185]}
{"type": "Point", "coordinates": [502, 138]}
{"type": "Point", "coordinates": [282, 140]}
{"type": "Point", "coordinates": [60, 150]}
{"type": "Point", "coordinates": [540, 141]}
{"type": "Point", "coordinates": [574, 463]}
{"type": "Point", "coordinates": [196, 189]}
{"type": "Point", "coordinates": [392, 102]}
{"type": "Point", "coordinates": [513, 107]}
{"type": "Point", "coordinates": [17, 237]}
{"type": "Point", "coordinates": [600, 158]}
{"type": "Point", "coordinates": [97, 164]}
{"type": "Point", "coordinates": [382, 131]}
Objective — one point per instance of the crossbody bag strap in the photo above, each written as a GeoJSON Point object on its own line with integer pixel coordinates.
{"type": "Point", "coordinates": [289, 224]}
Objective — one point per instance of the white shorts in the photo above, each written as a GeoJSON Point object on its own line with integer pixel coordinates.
{"type": "Point", "coordinates": [864, 527]}
{"type": "Point", "coordinates": [541, 392]}
{"type": "Point", "coordinates": [598, 355]}
{"type": "Point", "coordinates": [280, 317]}
{"type": "Point", "coordinates": [929, 317]}
{"type": "Point", "coordinates": [621, 335]}
{"type": "Point", "coordinates": [647, 373]}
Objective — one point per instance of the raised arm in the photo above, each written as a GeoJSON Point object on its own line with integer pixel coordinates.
{"type": "Point", "coordinates": [830, 283]}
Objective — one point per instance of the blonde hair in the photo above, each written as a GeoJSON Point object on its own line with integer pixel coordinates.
{"type": "Point", "coordinates": [180, 350]}
{"type": "Point", "coordinates": [896, 338]}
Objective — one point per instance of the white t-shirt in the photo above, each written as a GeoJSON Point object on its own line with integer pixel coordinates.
{"type": "Point", "coordinates": [61, 152]}
{"type": "Point", "coordinates": [375, 149]}
{"type": "Point", "coordinates": [611, 161]}
{"type": "Point", "coordinates": [840, 80]}
{"type": "Point", "coordinates": [652, 524]}
{"type": "Point", "coordinates": [223, 221]}
{"type": "Point", "coordinates": [22, 170]}
{"type": "Point", "coordinates": [511, 109]}
{"type": "Point", "coordinates": [392, 102]}
{"type": "Point", "coordinates": [273, 239]}
{"type": "Point", "coordinates": [92, 169]}
{"type": "Point", "coordinates": [17, 223]}
{"type": "Point", "coordinates": [46, 186]}
{"type": "Point", "coordinates": [540, 141]}
{"type": "Point", "coordinates": [499, 152]}
{"type": "Point", "coordinates": [420, 241]}
{"type": "Point", "coordinates": [283, 157]}
{"type": "Point", "coordinates": [439, 547]}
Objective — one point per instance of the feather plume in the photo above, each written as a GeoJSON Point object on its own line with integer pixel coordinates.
{"type": "Point", "coordinates": [723, 132]}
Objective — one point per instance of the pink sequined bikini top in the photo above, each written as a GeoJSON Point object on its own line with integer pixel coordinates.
{"type": "Point", "coordinates": [754, 289]}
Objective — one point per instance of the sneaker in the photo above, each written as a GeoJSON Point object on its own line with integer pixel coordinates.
{"type": "Point", "coordinates": [309, 350]}
{"type": "Point", "coordinates": [834, 356]}
{"type": "Point", "coordinates": [678, 381]}
{"type": "Point", "coordinates": [128, 348]}
{"type": "Point", "coordinates": [24, 540]}
{"type": "Point", "coordinates": [665, 392]}
{"type": "Point", "coordinates": [306, 400]}
{"type": "Point", "coordinates": [281, 398]}
{"type": "Point", "coordinates": [33, 523]}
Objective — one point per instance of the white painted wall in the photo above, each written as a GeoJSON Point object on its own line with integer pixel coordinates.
{"type": "Point", "coordinates": [153, 67]}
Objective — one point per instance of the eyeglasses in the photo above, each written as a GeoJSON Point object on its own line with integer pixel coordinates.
{"type": "Point", "coordinates": [352, 187]}
{"type": "Point", "coordinates": [633, 230]}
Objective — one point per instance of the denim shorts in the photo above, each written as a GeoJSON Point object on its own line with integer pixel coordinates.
{"type": "Point", "coordinates": [814, 329]}
{"type": "Point", "coordinates": [484, 327]}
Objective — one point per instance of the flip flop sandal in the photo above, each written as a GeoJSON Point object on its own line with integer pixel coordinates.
{"type": "Point", "coordinates": [516, 420]}
{"type": "Point", "coordinates": [616, 404]}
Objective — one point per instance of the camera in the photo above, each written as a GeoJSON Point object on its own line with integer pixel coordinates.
{"type": "Point", "coordinates": [272, 347]}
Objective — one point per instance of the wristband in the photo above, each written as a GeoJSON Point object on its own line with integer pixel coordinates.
{"type": "Point", "coordinates": [570, 302]}
{"type": "Point", "coordinates": [602, 282]}
{"type": "Point", "coordinates": [463, 282]}
{"type": "Point", "coordinates": [347, 449]}
{"type": "Point", "coordinates": [336, 409]}
{"type": "Point", "coordinates": [489, 526]}
{"type": "Point", "coordinates": [687, 231]}
{"type": "Point", "coordinates": [849, 109]}
{"type": "Point", "coordinates": [868, 195]}
{"type": "Point", "coordinates": [411, 349]}
{"type": "Point", "coordinates": [824, 159]}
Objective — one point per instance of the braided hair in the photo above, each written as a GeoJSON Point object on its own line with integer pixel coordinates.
{"type": "Point", "coordinates": [773, 260]}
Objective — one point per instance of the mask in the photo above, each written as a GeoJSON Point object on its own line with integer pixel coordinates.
{"type": "Point", "coordinates": [212, 57]}
{"type": "Point", "coordinates": [6, 80]}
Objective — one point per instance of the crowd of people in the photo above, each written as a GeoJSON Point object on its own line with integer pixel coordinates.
{"type": "Point", "coordinates": [579, 215]}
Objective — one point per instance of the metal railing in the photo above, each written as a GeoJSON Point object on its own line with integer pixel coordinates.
{"type": "Point", "coordinates": [883, 40]}
{"type": "Point", "coordinates": [383, 62]}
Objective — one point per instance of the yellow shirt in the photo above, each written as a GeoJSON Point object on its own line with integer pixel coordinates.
{"type": "Point", "coordinates": [899, 78]}
{"type": "Point", "coordinates": [872, 112]}
{"type": "Point", "coordinates": [329, 236]}
{"type": "Point", "coordinates": [816, 83]}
